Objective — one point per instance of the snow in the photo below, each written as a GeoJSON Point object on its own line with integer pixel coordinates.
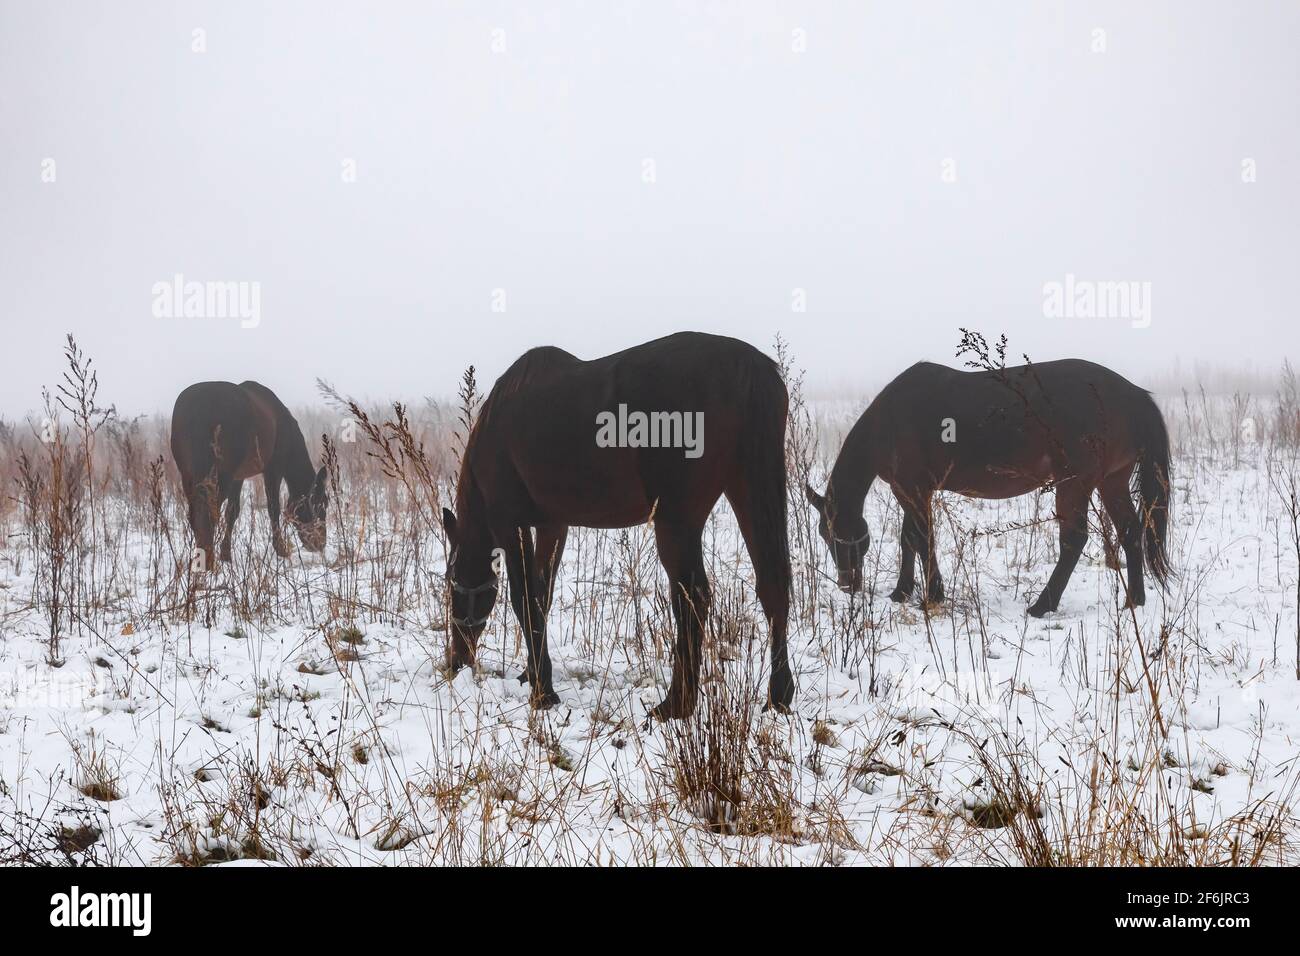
{"type": "Point", "coordinates": [234, 736]}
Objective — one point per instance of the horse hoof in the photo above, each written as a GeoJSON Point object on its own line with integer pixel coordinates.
{"type": "Point", "coordinates": [523, 677]}
{"type": "Point", "coordinates": [545, 700]}
{"type": "Point", "coordinates": [780, 693]}
{"type": "Point", "coordinates": [667, 711]}
{"type": "Point", "coordinates": [899, 596]}
{"type": "Point", "coordinates": [1038, 610]}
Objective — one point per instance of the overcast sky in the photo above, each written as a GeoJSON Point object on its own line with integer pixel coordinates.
{"type": "Point", "coordinates": [623, 170]}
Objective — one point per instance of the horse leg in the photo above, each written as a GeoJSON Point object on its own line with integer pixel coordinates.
{"type": "Point", "coordinates": [1108, 532]}
{"type": "Point", "coordinates": [772, 579]}
{"type": "Point", "coordinates": [526, 597]}
{"type": "Point", "coordinates": [921, 511]}
{"type": "Point", "coordinates": [271, 479]}
{"type": "Point", "coordinates": [232, 513]}
{"type": "Point", "coordinates": [200, 514]}
{"type": "Point", "coordinates": [907, 560]}
{"type": "Point", "coordinates": [1072, 513]}
{"type": "Point", "coordinates": [550, 549]}
{"type": "Point", "coordinates": [682, 555]}
{"type": "Point", "coordinates": [1118, 499]}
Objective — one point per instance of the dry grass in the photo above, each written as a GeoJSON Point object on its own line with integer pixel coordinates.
{"type": "Point", "coordinates": [93, 524]}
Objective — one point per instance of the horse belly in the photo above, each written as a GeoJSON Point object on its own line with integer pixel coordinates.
{"type": "Point", "coordinates": [250, 467]}
{"type": "Point", "coordinates": [254, 455]}
{"type": "Point", "coordinates": [995, 480]}
{"type": "Point", "coordinates": [620, 503]}
{"type": "Point", "coordinates": [611, 496]}
{"type": "Point", "coordinates": [259, 445]}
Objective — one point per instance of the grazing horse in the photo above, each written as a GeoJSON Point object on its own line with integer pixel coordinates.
{"type": "Point", "coordinates": [608, 443]}
{"type": "Point", "coordinates": [999, 433]}
{"type": "Point", "coordinates": [223, 433]}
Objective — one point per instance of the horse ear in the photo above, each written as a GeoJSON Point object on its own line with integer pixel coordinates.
{"type": "Point", "coordinates": [449, 523]}
{"type": "Point", "coordinates": [814, 499]}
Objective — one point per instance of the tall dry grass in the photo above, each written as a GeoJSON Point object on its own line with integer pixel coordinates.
{"type": "Point", "coordinates": [93, 518]}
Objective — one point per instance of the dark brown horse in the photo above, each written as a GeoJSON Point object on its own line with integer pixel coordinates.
{"type": "Point", "coordinates": [1071, 425]}
{"type": "Point", "coordinates": [559, 443]}
{"type": "Point", "coordinates": [224, 433]}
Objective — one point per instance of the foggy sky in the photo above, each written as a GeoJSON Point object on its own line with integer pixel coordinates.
{"type": "Point", "coordinates": [524, 170]}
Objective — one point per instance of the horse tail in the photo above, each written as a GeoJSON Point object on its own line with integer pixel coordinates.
{"type": "Point", "coordinates": [1153, 485]}
{"type": "Point", "coordinates": [762, 458]}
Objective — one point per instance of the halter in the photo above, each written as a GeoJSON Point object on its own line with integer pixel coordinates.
{"type": "Point", "coordinates": [470, 620]}
{"type": "Point", "coordinates": [856, 541]}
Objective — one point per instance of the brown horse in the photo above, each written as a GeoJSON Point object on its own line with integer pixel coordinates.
{"type": "Point", "coordinates": [223, 433]}
{"type": "Point", "coordinates": [999, 433]}
{"type": "Point", "coordinates": [609, 443]}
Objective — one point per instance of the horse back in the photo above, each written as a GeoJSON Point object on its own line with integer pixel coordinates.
{"type": "Point", "coordinates": [999, 433]}
{"type": "Point", "coordinates": [223, 430]}
{"type": "Point", "coordinates": [549, 392]}
{"type": "Point", "coordinates": [540, 425]}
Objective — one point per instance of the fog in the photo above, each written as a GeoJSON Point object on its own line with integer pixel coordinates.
{"type": "Point", "coordinates": [399, 191]}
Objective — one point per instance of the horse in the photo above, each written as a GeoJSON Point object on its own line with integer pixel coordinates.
{"type": "Point", "coordinates": [1070, 425]}
{"type": "Point", "coordinates": [555, 446]}
{"type": "Point", "coordinates": [224, 433]}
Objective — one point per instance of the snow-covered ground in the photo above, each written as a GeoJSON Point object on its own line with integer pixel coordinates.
{"type": "Point", "coordinates": [298, 711]}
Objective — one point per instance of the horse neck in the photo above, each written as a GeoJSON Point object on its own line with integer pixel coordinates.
{"type": "Point", "coordinates": [299, 472]}
{"type": "Point", "coordinates": [855, 468]}
{"type": "Point", "coordinates": [471, 514]}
